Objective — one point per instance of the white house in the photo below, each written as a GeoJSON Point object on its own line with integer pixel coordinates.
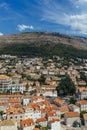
{"type": "Point", "coordinates": [26, 99]}
{"type": "Point", "coordinates": [30, 112]}
{"type": "Point", "coordinates": [28, 124]}
{"type": "Point", "coordinates": [54, 124]}
{"type": "Point", "coordinates": [71, 117]}
{"type": "Point", "coordinates": [42, 122]}
{"type": "Point", "coordinates": [74, 108]}
{"type": "Point", "coordinates": [16, 88]}
{"type": "Point", "coordinates": [8, 125]}
{"type": "Point", "coordinates": [82, 104]}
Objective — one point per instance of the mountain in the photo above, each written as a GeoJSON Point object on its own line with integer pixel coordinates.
{"type": "Point", "coordinates": [42, 43]}
{"type": "Point", "coordinates": [42, 38]}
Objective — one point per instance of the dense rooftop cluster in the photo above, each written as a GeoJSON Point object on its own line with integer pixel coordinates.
{"type": "Point", "coordinates": [30, 98]}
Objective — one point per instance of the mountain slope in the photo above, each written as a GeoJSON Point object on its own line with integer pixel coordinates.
{"type": "Point", "coordinates": [38, 38]}
{"type": "Point", "coordinates": [43, 44]}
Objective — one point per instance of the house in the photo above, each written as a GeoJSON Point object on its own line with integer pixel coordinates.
{"type": "Point", "coordinates": [85, 119]}
{"type": "Point", "coordinates": [3, 106]}
{"type": "Point", "coordinates": [51, 115]}
{"type": "Point", "coordinates": [51, 73]}
{"type": "Point", "coordinates": [5, 82]}
{"type": "Point", "coordinates": [16, 78]}
{"type": "Point", "coordinates": [62, 72]}
{"type": "Point", "coordinates": [82, 83]}
{"type": "Point", "coordinates": [36, 129]}
{"type": "Point", "coordinates": [43, 112]}
{"type": "Point", "coordinates": [29, 112]}
{"type": "Point", "coordinates": [74, 108]}
{"type": "Point", "coordinates": [37, 83]}
{"type": "Point", "coordinates": [64, 109]}
{"type": "Point", "coordinates": [32, 111]}
{"type": "Point", "coordinates": [26, 99]}
{"type": "Point", "coordinates": [55, 109]}
{"type": "Point", "coordinates": [8, 125]}
{"type": "Point", "coordinates": [36, 99]}
{"type": "Point", "coordinates": [15, 112]}
{"type": "Point", "coordinates": [59, 102]}
{"type": "Point", "coordinates": [28, 124]}
{"type": "Point", "coordinates": [51, 92]}
{"type": "Point", "coordinates": [71, 117]}
{"type": "Point", "coordinates": [82, 93]}
{"type": "Point", "coordinates": [54, 124]}
{"type": "Point", "coordinates": [6, 98]}
{"type": "Point", "coordinates": [16, 88]}
{"type": "Point", "coordinates": [42, 122]}
{"type": "Point", "coordinates": [42, 104]}
{"type": "Point", "coordinates": [82, 104]}
{"type": "Point", "coordinates": [14, 101]}
{"type": "Point", "coordinates": [45, 72]}
{"type": "Point", "coordinates": [36, 114]}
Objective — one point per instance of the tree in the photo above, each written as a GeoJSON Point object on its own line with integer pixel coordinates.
{"type": "Point", "coordinates": [27, 87]}
{"type": "Point", "coordinates": [33, 92]}
{"type": "Point", "coordinates": [82, 113]}
{"type": "Point", "coordinates": [42, 79]}
{"type": "Point", "coordinates": [66, 87]}
{"type": "Point", "coordinates": [1, 113]}
{"type": "Point", "coordinates": [83, 76]}
{"type": "Point", "coordinates": [38, 126]}
{"type": "Point", "coordinates": [72, 100]}
{"type": "Point", "coordinates": [76, 124]}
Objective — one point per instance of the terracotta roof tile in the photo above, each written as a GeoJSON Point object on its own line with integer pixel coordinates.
{"type": "Point", "coordinates": [81, 102]}
{"type": "Point", "coordinates": [36, 129]}
{"type": "Point", "coordinates": [27, 122]}
{"type": "Point", "coordinates": [51, 113]}
{"type": "Point", "coordinates": [14, 101]}
{"type": "Point", "coordinates": [64, 109]}
{"type": "Point", "coordinates": [59, 101]}
{"type": "Point", "coordinates": [72, 114]}
{"type": "Point", "coordinates": [54, 120]}
{"type": "Point", "coordinates": [2, 77]}
{"type": "Point", "coordinates": [41, 119]}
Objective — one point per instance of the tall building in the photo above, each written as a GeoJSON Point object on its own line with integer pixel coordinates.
{"type": "Point", "coordinates": [5, 82]}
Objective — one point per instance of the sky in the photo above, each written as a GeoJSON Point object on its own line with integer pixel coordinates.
{"type": "Point", "coordinates": [63, 16]}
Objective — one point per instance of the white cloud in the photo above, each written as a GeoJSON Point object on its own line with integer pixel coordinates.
{"type": "Point", "coordinates": [4, 5]}
{"type": "Point", "coordinates": [1, 34]}
{"type": "Point", "coordinates": [75, 19]}
{"type": "Point", "coordinates": [22, 27]}
{"type": "Point", "coordinates": [79, 22]}
{"type": "Point", "coordinates": [81, 1]}
{"type": "Point", "coordinates": [82, 4]}
{"type": "Point", "coordinates": [78, 1]}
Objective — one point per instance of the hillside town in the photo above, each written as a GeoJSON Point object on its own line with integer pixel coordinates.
{"type": "Point", "coordinates": [30, 98]}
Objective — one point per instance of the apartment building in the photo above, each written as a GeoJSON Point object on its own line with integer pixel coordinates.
{"type": "Point", "coordinates": [5, 82]}
{"type": "Point", "coordinates": [82, 104]}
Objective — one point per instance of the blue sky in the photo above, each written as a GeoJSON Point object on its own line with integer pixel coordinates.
{"type": "Point", "coordinates": [64, 16]}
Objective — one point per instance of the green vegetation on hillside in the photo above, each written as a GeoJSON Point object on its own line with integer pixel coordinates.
{"type": "Point", "coordinates": [43, 50]}
{"type": "Point", "coordinates": [66, 87]}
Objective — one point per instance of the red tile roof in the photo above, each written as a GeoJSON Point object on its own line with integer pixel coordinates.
{"type": "Point", "coordinates": [54, 120]}
{"type": "Point", "coordinates": [59, 101]}
{"type": "Point", "coordinates": [27, 122]}
{"type": "Point", "coordinates": [41, 119]}
{"type": "Point", "coordinates": [82, 102]}
{"type": "Point", "coordinates": [64, 109]}
{"type": "Point", "coordinates": [72, 114]}
{"type": "Point", "coordinates": [51, 113]}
